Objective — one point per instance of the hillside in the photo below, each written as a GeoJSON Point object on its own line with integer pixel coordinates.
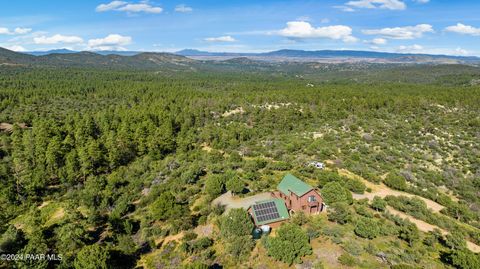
{"type": "Point", "coordinates": [65, 51]}
{"type": "Point", "coordinates": [95, 60]}
{"type": "Point", "coordinates": [8, 57]}
{"type": "Point", "coordinates": [126, 167]}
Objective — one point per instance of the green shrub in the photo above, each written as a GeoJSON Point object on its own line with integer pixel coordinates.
{"type": "Point", "coordinates": [334, 192]}
{"type": "Point", "coordinates": [367, 228]}
{"type": "Point", "coordinates": [347, 260]}
{"type": "Point", "coordinates": [236, 223]}
{"type": "Point", "coordinates": [165, 207]}
{"type": "Point", "coordinates": [379, 204]}
{"type": "Point", "coordinates": [235, 185]}
{"type": "Point", "coordinates": [396, 182]}
{"type": "Point", "coordinates": [355, 186]}
{"type": "Point", "coordinates": [463, 259]}
{"type": "Point", "coordinates": [214, 185]}
{"type": "Point", "coordinates": [92, 256]}
{"type": "Point", "coordinates": [289, 245]}
{"type": "Point", "coordinates": [339, 213]}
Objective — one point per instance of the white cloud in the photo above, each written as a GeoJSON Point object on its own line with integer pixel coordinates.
{"type": "Point", "coordinates": [183, 9]}
{"type": "Point", "coordinates": [379, 41]}
{"type": "Point", "coordinates": [460, 51]}
{"type": "Point", "coordinates": [408, 32]}
{"type": "Point", "coordinates": [4, 31]}
{"type": "Point", "coordinates": [418, 49]}
{"type": "Point", "coordinates": [226, 38]}
{"type": "Point", "coordinates": [22, 31]}
{"type": "Point", "coordinates": [103, 48]}
{"type": "Point", "coordinates": [143, 6]}
{"type": "Point", "coordinates": [371, 4]}
{"type": "Point", "coordinates": [463, 29]}
{"type": "Point", "coordinates": [55, 39]}
{"type": "Point", "coordinates": [303, 30]}
{"type": "Point", "coordinates": [16, 31]}
{"type": "Point", "coordinates": [110, 42]}
{"type": "Point", "coordinates": [449, 51]}
{"type": "Point", "coordinates": [303, 18]}
{"type": "Point", "coordinates": [110, 6]}
{"type": "Point", "coordinates": [345, 8]}
{"type": "Point", "coordinates": [16, 48]}
{"type": "Point", "coordinates": [410, 49]}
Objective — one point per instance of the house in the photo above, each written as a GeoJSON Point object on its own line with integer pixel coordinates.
{"type": "Point", "coordinates": [271, 212]}
{"type": "Point", "coordinates": [292, 195]}
{"type": "Point", "coordinates": [299, 196]}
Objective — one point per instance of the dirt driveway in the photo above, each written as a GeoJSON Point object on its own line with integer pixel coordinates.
{"type": "Point", "coordinates": [230, 201]}
{"type": "Point", "coordinates": [382, 191]}
{"type": "Point", "coordinates": [427, 227]}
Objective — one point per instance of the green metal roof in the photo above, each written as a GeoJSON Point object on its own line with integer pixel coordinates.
{"type": "Point", "coordinates": [281, 208]}
{"type": "Point", "coordinates": [290, 183]}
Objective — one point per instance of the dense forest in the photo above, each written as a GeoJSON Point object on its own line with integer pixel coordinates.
{"type": "Point", "coordinates": [119, 168]}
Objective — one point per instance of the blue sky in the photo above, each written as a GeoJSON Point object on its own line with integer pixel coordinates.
{"type": "Point", "coordinates": [421, 26]}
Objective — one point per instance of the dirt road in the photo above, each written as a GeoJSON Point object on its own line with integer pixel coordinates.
{"type": "Point", "coordinates": [230, 201]}
{"type": "Point", "coordinates": [382, 191]}
{"type": "Point", "coordinates": [427, 227]}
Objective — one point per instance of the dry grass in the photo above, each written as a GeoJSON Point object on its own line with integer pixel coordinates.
{"type": "Point", "coordinates": [170, 238]}
{"type": "Point", "coordinates": [238, 110]}
{"type": "Point", "coordinates": [57, 215]}
{"type": "Point", "coordinates": [327, 252]}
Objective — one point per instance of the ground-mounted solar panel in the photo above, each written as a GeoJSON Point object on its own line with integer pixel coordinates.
{"type": "Point", "coordinates": [266, 211]}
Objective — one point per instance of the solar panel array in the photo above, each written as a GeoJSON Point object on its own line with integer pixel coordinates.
{"type": "Point", "coordinates": [266, 211]}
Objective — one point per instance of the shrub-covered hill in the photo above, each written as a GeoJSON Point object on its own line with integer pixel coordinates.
{"type": "Point", "coordinates": [118, 168]}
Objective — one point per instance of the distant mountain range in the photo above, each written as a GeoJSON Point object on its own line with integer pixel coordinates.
{"type": "Point", "coordinates": [303, 55]}
{"type": "Point", "coordinates": [194, 59]}
{"type": "Point", "coordinates": [292, 55]}
{"type": "Point", "coordinates": [67, 51]}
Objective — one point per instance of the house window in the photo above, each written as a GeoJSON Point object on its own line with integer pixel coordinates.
{"type": "Point", "coordinates": [311, 198]}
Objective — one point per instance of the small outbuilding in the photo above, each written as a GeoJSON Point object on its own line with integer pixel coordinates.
{"type": "Point", "coordinates": [271, 212]}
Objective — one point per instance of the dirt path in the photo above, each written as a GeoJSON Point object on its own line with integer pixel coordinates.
{"type": "Point", "coordinates": [422, 225]}
{"type": "Point", "coordinates": [8, 127]}
{"type": "Point", "coordinates": [230, 201]}
{"type": "Point", "coordinates": [472, 247]}
{"type": "Point", "coordinates": [382, 191]}
{"type": "Point", "coordinates": [165, 240]}
{"type": "Point", "coordinates": [427, 227]}
{"type": "Point", "coordinates": [44, 204]}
